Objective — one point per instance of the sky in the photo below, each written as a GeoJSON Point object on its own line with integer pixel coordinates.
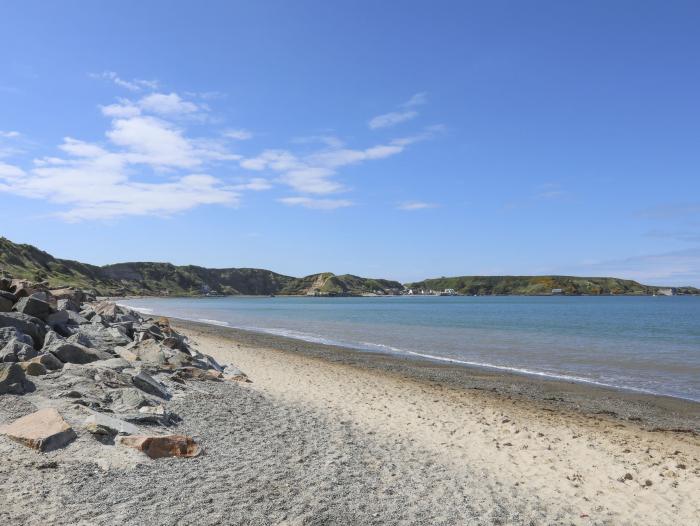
{"type": "Point", "coordinates": [402, 140]}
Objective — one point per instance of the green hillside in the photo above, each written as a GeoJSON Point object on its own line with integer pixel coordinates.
{"type": "Point", "coordinates": [536, 285]}
{"type": "Point", "coordinates": [144, 278]}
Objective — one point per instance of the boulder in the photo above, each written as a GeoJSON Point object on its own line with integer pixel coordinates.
{"type": "Point", "coordinates": [74, 295]}
{"type": "Point", "coordinates": [99, 337]}
{"type": "Point", "coordinates": [129, 399]}
{"type": "Point", "coordinates": [7, 354]}
{"type": "Point", "coordinates": [33, 368]}
{"type": "Point", "coordinates": [44, 430]}
{"type": "Point", "coordinates": [33, 306]}
{"type": "Point", "coordinates": [21, 350]}
{"type": "Point", "coordinates": [5, 284]}
{"type": "Point", "coordinates": [60, 317]}
{"type": "Point", "coordinates": [75, 353]}
{"type": "Point", "coordinates": [150, 352]}
{"type": "Point", "coordinates": [99, 422]}
{"type": "Point", "coordinates": [49, 361]}
{"type": "Point", "coordinates": [194, 373]}
{"type": "Point", "coordinates": [162, 446]}
{"type": "Point", "coordinates": [5, 304]}
{"type": "Point", "coordinates": [68, 304]}
{"type": "Point", "coordinates": [29, 325]}
{"type": "Point", "coordinates": [11, 333]}
{"type": "Point", "coordinates": [150, 385]}
{"type": "Point", "coordinates": [13, 380]}
{"type": "Point", "coordinates": [76, 319]}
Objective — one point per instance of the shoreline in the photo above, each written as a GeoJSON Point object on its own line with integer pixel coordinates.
{"type": "Point", "coordinates": [653, 411]}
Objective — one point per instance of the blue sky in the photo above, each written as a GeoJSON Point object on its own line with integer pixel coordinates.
{"type": "Point", "coordinates": [401, 140]}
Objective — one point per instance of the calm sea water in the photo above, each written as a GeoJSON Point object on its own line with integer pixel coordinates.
{"type": "Point", "coordinates": [649, 344]}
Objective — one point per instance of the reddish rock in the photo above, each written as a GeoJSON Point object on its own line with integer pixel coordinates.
{"type": "Point", "coordinates": [162, 446]}
{"type": "Point", "coordinates": [44, 430]}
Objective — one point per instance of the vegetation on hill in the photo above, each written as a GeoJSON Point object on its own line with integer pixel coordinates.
{"type": "Point", "coordinates": [534, 285]}
{"type": "Point", "coordinates": [144, 278]}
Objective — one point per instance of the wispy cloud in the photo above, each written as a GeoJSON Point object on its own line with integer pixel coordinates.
{"type": "Point", "coordinates": [411, 206]}
{"type": "Point", "coordinates": [316, 204]}
{"type": "Point", "coordinates": [671, 211]}
{"type": "Point", "coordinates": [9, 134]}
{"type": "Point", "coordinates": [315, 172]}
{"type": "Point", "coordinates": [131, 85]}
{"type": "Point", "coordinates": [550, 191]}
{"type": "Point", "coordinates": [387, 120]}
{"type": "Point", "coordinates": [238, 135]}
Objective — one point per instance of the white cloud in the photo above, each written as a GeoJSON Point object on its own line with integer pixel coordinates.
{"type": "Point", "coordinates": [238, 135]}
{"type": "Point", "coordinates": [316, 204]}
{"type": "Point", "coordinates": [167, 104]}
{"type": "Point", "coordinates": [256, 184]}
{"type": "Point", "coordinates": [131, 85]}
{"type": "Point", "coordinates": [415, 205]}
{"type": "Point", "coordinates": [391, 119]}
{"type": "Point", "coordinates": [9, 134]}
{"type": "Point", "coordinates": [386, 120]}
{"type": "Point", "coordinates": [314, 173]}
{"type": "Point", "coordinates": [145, 167]}
{"type": "Point", "coordinates": [416, 100]}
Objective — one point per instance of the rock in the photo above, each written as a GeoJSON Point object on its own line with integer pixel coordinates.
{"type": "Point", "coordinates": [99, 337]}
{"type": "Point", "coordinates": [5, 304]}
{"type": "Point", "coordinates": [69, 294]}
{"type": "Point", "coordinates": [68, 305]}
{"type": "Point", "coordinates": [13, 380]}
{"type": "Point", "coordinates": [233, 373]}
{"type": "Point", "coordinates": [10, 333]}
{"type": "Point", "coordinates": [29, 325]}
{"type": "Point", "coordinates": [75, 353]}
{"type": "Point", "coordinates": [76, 319]}
{"type": "Point", "coordinates": [116, 364]}
{"type": "Point", "coordinates": [150, 352]}
{"type": "Point", "coordinates": [33, 306]}
{"type": "Point", "coordinates": [44, 430]}
{"type": "Point", "coordinates": [60, 317]}
{"type": "Point", "coordinates": [7, 354]}
{"type": "Point", "coordinates": [117, 427]}
{"type": "Point", "coordinates": [129, 399]}
{"type": "Point", "coordinates": [21, 350]}
{"type": "Point", "coordinates": [150, 385]}
{"type": "Point", "coordinates": [194, 373]}
{"type": "Point", "coordinates": [5, 284]}
{"type": "Point", "coordinates": [49, 361]}
{"type": "Point", "coordinates": [162, 446]}
{"type": "Point", "coordinates": [8, 296]}
{"type": "Point", "coordinates": [33, 368]}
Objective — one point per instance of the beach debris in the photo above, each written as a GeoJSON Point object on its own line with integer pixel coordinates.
{"type": "Point", "coordinates": [44, 430]}
{"type": "Point", "coordinates": [162, 446]}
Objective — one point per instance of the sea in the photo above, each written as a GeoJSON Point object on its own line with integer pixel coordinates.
{"type": "Point", "coordinates": [647, 344]}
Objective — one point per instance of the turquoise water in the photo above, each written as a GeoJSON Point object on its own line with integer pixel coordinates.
{"type": "Point", "coordinates": [649, 344]}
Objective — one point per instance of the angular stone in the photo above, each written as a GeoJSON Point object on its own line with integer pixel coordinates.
{"type": "Point", "coordinates": [10, 333]}
{"type": "Point", "coordinates": [129, 399]}
{"type": "Point", "coordinates": [194, 373]}
{"type": "Point", "coordinates": [75, 353]}
{"type": "Point", "coordinates": [44, 430]}
{"type": "Point", "coordinates": [49, 361]}
{"type": "Point", "coordinates": [68, 293]}
{"type": "Point", "coordinates": [21, 350]}
{"type": "Point", "coordinates": [33, 306]}
{"type": "Point", "coordinates": [60, 317]}
{"type": "Point", "coordinates": [13, 380]}
{"type": "Point", "coordinates": [162, 446]}
{"type": "Point", "coordinates": [150, 385]}
{"type": "Point", "coordinates": [233, 373]}
{"type": "Point", "coordinates": [29, 325]}
{"type": "Point", "coordinates": [33, 368]}
{"type": "Point", "coordinates": [116, 426]}
{"type": "Point", "coordinates": [149, 352]}
{"type": "Point", "coordinates": [5, 304]}
{"type": "Point", "coordinates": [76, 319]}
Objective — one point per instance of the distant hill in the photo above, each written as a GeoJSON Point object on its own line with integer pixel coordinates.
{"type": "Point", "coordinates": [145, 278]}
{"type": "Point", "coordinates": [537, 285]}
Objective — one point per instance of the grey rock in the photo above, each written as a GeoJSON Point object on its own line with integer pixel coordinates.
{"type": "Point", "coordinates": [97, 421]}
{"type": "Point", "coordinates": [98, 337]}
{"type": "Point", "coordinates": [29, 325]}
{"type": "Point", "coordinates": [33, 306]}
{"type": "Point", "coordinates": [68, 304]}
{"type": "Point", "coordinates": [75, 353]}
{"type": "Point", "coordinates": [49, 361]}
{"type": "Point", "coordinates": [5, 304]}
{"type": "Point", "coordinates": [11, 333]}
{"type": "Point", "coordinates": [13, 380]}
{"type": "Point", "coordinates": [76, 319]}
{"type": "Point", "coordinates": [60, 317]}
{"type": "Point", "coordinates": [150, 385]}
{"type": "Point", "coordinates": [129, 399]}
{"type": "Point", "coordinates": [7, 354]}
{"type": "Point", "coordinates": [21, 350]}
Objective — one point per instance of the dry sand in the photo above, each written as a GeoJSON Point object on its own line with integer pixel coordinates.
{"type": "Point", "coordinates": [330, 436]}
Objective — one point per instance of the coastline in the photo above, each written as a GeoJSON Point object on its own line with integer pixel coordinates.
{"type": "Point", "coordinates": [653, 411]}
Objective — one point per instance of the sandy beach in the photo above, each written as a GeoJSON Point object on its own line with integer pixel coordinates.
{"type": "Point", "coordinates": [325, 435]}
{"type": "Point", "coordinates": [489, 447]}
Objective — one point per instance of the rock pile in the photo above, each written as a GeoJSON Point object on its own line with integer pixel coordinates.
{"type": "Point", "coordinates": [113, 366]}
